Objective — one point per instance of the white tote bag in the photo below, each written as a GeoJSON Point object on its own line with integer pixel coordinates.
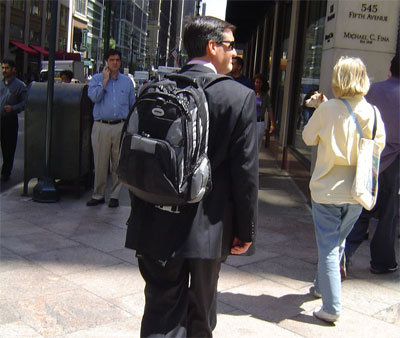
{"type": "Point", "coordinates": [365, 185]}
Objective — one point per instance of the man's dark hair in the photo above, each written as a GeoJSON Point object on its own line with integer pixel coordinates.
{"type": "Point", "coordinates": [394, 66]}
{"type": "Point", "coordinates": [67, 73]}
{"type": "Point", "coordinates": [200, 30]}
{"type": "Point", "coordinates": [113, 52]}
{"type": "Point", "coordinates": [239, 60]}
{"type": "Point", "coordinates": [10, 62]}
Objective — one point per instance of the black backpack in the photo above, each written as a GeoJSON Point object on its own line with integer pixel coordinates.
{"type": "Point", "coordinates": [163, 153]}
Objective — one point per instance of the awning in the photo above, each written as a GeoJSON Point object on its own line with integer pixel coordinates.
{"type": "Point", "coordinates": [40, 49]}
{"type": "Point", "coordinates": [24, 47]}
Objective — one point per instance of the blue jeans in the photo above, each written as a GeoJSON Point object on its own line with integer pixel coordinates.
{"type": "Point", "coordinates": [332, 223]}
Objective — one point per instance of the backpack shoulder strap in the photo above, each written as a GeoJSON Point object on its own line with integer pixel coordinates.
{"type": "Point", "coordinates": [208, 79]}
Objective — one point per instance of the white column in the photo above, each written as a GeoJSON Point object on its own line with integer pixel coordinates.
{"type": "Point", "coordinates": [70, 28]}
{"type": "Point", "coordinates": [367, 30]}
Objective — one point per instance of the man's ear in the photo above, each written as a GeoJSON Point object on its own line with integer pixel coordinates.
{"type": "Point", "coordinates": [211, 48]}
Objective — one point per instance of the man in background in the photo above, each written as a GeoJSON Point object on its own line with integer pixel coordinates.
{"type": "Point", "coordinates": [386, 96]}
{"type": "Point", "coordinates": [236, 73]}
{"type": "Point", "coordinates": [12, 100]}
{"type": "Point", "coordinates": [113, 95]}
{"type": "Point", "coordinates": [66, 76]}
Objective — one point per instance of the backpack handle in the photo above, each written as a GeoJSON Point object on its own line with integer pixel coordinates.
{"type": "Point", "coordinates": [181, 77]}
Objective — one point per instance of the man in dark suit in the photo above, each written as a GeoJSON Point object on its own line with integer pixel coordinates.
{"type": "Point", "coordinates": [180, 254]}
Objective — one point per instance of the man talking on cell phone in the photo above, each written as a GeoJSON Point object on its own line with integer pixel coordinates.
{"type": "Point", "coordinates": [113, 95]}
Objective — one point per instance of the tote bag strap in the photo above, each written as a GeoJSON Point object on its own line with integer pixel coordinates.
{"type": "Point", "coordinates": [347, 104]}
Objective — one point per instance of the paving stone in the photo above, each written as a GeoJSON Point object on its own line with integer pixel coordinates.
{"type": "Point", "coordinates": [350, 324]}
{"type": "Point", "coordinates": [66, 312]}
{"type": "Point", "coordinates": [231, 277]}
{"type": "Point", "coordinates": [66, 261]}
{"type": "Point", "coordinates": [110, 282]}
{"type": "Point", "coordinates": [31, 281]}
{"type": "Point", "coordinates": [390, 315]}
{"type": "Point", "coordinates": [261, 254]}
{"type": "Point", "coordinates": [288, 271]}
{"type": "Point", "coordinates": [12, 228]}
{"type": "Point", "coordinates": [126, 255]}
{"type": "Point", "coordinates": [110, 239]}
{"type": "Point", "coordinates": [39, 241]}
{"type": "Point", "coordinates": [18, 329]}
{"type": "Point", "coordinates": [118, 329]}
{"type": "Point", "coordinates": [8, 313]}
{"type": "Point", "coordinates": [133, 303]}
{"type": "Point", "coordinates": [10, 261]}
{"type": "Point", "coordinates": [268, 300]}
{"type": "Point", "coordinates": [379, 297]}
{"type": "Point", "coordinates": [242, 325]}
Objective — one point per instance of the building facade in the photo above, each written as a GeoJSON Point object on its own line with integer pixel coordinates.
{"type": "Point", "coordinates": [25, 27]}
{"type": "Point", "coordinates": [129, 31]}
{"type": "Point", "coordinates": [296, 44]}
{"type": "Point", "coordinates": [165, 32]}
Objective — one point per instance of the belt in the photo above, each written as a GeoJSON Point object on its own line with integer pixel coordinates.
{"type": "Point", "coordinates": [260, 119]}
{"type": "Point", "coordinates": [111, 121]}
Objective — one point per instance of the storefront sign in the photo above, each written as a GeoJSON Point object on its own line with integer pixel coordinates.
{"type": "Point", "coordinates": [362, 25]}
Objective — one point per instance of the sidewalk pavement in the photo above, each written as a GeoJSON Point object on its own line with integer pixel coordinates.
{"type": "Point", "coordinates": [64, 272]}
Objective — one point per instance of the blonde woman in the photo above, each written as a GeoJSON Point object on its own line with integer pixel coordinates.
{"type": "Point", "coordinates": [334, 211]}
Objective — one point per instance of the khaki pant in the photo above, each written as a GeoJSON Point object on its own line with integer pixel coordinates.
{"type": "Point", "coordinates": [105, 144]}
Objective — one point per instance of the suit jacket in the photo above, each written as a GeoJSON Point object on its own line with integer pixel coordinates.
{"type": "Point", "coordinates": [206, 229]}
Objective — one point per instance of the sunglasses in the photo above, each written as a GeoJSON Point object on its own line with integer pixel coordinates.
{"type": "Point", "coordinates": [230, 46]}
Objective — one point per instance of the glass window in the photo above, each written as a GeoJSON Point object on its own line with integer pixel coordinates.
{"type": "Point", "coordinates": [80, 6]}
{"type": "Point", "coordinates": [282, 66]}
{"type": "Point", "coordinates": [63, 16]}
{"type": "Point", "coordinates": [18, 4]}
{"type": "Point", "coordinates": [48, 11]}
{"type": "Point", "coordinates": [310, 76]}
{"type": "Point", "coordinates": [138, 17]}
{"type": "Point", "coordinates": [34, 37]}
{"type": "Point", "coordinates": [16, 31]}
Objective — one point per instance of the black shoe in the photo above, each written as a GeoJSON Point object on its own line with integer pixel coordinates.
{"type": "Point", "coordinates": [113, 203]}
{"type": "Point", "coordinates": [93, 202]}
{"type": "Point", "coordinates": [383, 271]}
{"type": "Point", "coordinates": [5, 178]}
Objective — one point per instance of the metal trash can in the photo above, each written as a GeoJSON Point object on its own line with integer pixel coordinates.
{"type": "Point", "coordinates": [70, 150]}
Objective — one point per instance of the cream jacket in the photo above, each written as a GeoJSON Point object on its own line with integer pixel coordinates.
{"type": "Point", "coordinates": [332, 128]}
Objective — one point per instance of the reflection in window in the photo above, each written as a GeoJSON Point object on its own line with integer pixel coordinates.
{"type": "Point", "coordinates": [18, 4]}
{"type": "Point", "coordinates": [63, 16]}
{"type": "Point", "coordinates": [282, 67]}
{"type": "Point", "coordinates": [16, 31]}
{"type": "Point", "coordinates": [311, 71]}
{"type": "Point", "coordinates": [35, 7]}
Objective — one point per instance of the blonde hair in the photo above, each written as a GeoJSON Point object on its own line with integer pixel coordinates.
{"type": "Point", "coordinates": [350, 77]}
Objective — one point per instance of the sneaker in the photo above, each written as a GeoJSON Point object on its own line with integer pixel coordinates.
{"type": "Point", "coordinates": [378, 271]}
{"type": "Point", "coordinates": [315, 293]}
{"type": "Point", "coordinates": [93, 202]}
{"type": "Point", "coordinates": [325, 316]}
{"type": "Point", "coordinates": [113, 203]}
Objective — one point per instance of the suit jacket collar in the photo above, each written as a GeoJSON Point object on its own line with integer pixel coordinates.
{"type": "Point", "coordinates": [196, 68]}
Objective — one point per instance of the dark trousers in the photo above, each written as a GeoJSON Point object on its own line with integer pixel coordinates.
{"type": "Point", "coordinates": [181, 297]}
{"type": "Point", "coordinates": [9, 135]}
{"type": "Point", "coordinates": [382, 246]}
